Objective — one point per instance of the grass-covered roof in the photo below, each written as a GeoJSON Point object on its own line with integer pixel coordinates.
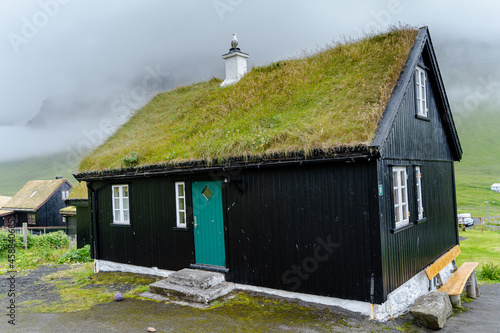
{"type": "Point", "coordinates": [79, 192]}
{"type": "Point", "coordinates": [334, 98]}
{"type": "Point", "coordinates": [34, 194]}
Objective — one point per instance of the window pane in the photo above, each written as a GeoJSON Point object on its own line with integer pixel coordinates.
{"type": "Point", "coordinates": [396, 197]}
{"type": "Point", "coordinates": [125, 191]}
{"type": "Point", "coordinates": [125, 203]}
{"type": "Point", "coordinates": [403, 196]}
{"type": "Point", "coordinates": [116, 192]}
{"type": "Point", "coordinates": [182, 218]}
{"type": "Point", "coordinates": [404, 212]}
{"type": "Point", "coordinates": [394, 179]}
{"type": "Point", "coordinates": [403, 179]}
{"type": "Point", "coordinates": [396, 213]}
{"type": "Point", "coordinates": [181, 203]}
{"type": "Point", "coordinates": [207, 192]}
{"type": "Point", "coordinates": [117, 216]}
{"type": "Point", "coordinates": [180, 188]}
{"type": "Point", "coordinates": [125, 215]}
{"type": "Point", "coordinates": [117, 203]}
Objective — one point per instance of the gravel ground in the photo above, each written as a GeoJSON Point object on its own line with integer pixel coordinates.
{"type": "Point", "coordinates": [134, 315]}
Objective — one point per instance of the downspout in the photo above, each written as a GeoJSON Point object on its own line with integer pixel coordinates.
{"type": "Point", "coordinates": [93, 222]}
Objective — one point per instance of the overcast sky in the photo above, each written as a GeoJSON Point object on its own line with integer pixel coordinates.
{"type": "Point", "coordinates": [97, 49]}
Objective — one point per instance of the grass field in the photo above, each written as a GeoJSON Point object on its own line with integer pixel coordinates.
{"type": "Point", "coordinates": [481, 247]}
{"type": "Point", "coordinates": [480, 166]}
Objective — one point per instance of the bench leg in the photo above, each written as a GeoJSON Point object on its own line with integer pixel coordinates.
{"type": "Point", "coordinates": [472, 287]}
{"type": "Point", "coordinates": [455, 301]}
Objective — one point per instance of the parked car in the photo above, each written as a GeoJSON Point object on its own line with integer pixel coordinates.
{"type": "Point", "coordinates": [466, 219]}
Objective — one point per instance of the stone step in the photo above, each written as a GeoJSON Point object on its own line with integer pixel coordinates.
{"type": "Point", "coordinates": [191, 293]}
{"type": "Point", "coordinates": [195, 278]}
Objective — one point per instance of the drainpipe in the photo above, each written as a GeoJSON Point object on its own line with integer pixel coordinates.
{"type": "Point", "coordinates": [372, 296]}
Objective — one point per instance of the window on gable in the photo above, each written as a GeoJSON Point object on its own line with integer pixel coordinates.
{"type": "Point", "coordinates": [64, 195]}
{"type": "Point", "coordinates": [180, 204]}
{"type": "Point", "coordinates": [121, 212]}
{"type": "Point", "coordinates": [400, 192]}
{"type": "Point", "coordinates": [421, 91]}
{"type": "Point", "coordinates": [418, 189]}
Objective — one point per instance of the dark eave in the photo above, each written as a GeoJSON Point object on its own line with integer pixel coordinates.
{"type": "Point", "coordinates": [344, 154]}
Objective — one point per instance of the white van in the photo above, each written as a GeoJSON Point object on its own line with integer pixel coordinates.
{"type": "Point", "coordinates": [466, 219]}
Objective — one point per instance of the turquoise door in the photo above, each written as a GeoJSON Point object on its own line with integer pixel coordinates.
{"type": "Point", "coordinates": [209, 246]}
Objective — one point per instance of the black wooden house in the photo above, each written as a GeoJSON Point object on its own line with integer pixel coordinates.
{"type": "Point", "coordinates": [345, 216]}
{"type": "Point", "coordinates": [38, 203]}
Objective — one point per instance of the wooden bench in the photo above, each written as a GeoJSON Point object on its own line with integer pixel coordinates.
{"type": "Point", "coordinates": [463, 276]}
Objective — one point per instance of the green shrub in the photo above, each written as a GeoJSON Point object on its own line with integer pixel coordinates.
{"type": "Point", "coordinates": [76, 255]}
{"type": "Point", "coordinates": [131, 160]}
{"type": "Point", "coordinates": [489, 272]}
{"type": "Point", "coordinates": [54, 240]}
{"type": "Point", "coordinates": [4, 241]}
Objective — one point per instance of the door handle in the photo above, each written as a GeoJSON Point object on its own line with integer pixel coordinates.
{"type": "Point", "coordinates": [195, 224]}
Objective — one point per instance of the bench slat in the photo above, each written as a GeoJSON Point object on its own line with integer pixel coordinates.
{"type": "Point", "coordinates": [456, 283]}
{"type": "Point", "coordinates": [442, 262]}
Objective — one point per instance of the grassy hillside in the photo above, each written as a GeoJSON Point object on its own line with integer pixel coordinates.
{"type": "Point", "coordinates": [14, 174]}
{"type": "Point", "coordinates": [480, 166]}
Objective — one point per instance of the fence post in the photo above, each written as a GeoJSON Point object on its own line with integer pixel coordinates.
{"type": "Point", "coordinates": [481, 222]}
{"type": "Point", "coordinates": [25, 235]}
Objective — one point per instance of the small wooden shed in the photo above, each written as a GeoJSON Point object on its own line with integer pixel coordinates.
{"type": "Point", "coordinates": [330, 175]}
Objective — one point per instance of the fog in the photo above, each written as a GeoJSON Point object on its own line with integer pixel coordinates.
{"type": "Point", "coordinates": [74, 70]}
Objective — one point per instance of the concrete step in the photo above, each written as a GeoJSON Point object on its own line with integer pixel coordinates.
{"type": "Point", "coordinates": [193, 285]}
{"type": "Point", "coordinates": [196, 278]}
{"type": "Point", "coordinates": [193, 294]}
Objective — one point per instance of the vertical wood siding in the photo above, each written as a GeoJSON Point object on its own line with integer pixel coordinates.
{"type": "Point", "coordinates": [48, 214]}
{"type": "Point", "coordinates": [279, 225]}
{"type": "Point", "coordinates": [151, 240]}
{"type": "Point", "coordinates": [414, 142]}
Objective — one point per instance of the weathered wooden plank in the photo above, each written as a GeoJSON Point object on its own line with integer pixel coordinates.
{"type": "Point", "coordinates": [456, 283]}
{"type": "Point", "coordinates": [442, 262]}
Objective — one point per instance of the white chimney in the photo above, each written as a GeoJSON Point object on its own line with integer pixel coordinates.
{"type": "Point", "coordinates": [236, 64]}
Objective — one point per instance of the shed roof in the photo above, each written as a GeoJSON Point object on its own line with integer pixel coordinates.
{"type": "Point", "coordinates": [79, 192]}
{"type": "Point", "coordinates": [5, 212]}
{"type": "Point", "coordinates": [34, 194]}
{"type": "Point", "coordinates": [327, 104]}
{"type": "Point", "coordinates": [68, 211]}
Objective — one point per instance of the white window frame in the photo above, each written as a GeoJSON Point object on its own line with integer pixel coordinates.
{"type": "Point", "coordinates": [418, 189]}
{"type": "Point", "coordinates": [400, 194]}
{"type": "Point", "coordinates": [180, 196]}
{"type": "Point", "coordinates": [421, 92]}
{"type": "Point", "coordinates": [121, 200]}
{"type": "Point", "coordinates": [64, 194]}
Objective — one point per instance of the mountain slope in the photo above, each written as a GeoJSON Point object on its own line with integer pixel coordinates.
{"type": "Point", "coordinates": [14, 174]}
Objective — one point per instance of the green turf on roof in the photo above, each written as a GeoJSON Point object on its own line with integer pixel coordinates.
{"type": "Point", "coordinates": [34, 194]}
{"type": "Point", "coordinates": [79, 192]}
{"type": "Point", "coordinates": [330, 99]}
